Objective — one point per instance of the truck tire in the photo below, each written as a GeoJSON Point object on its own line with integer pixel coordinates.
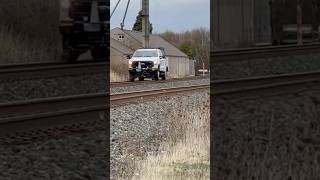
{"type": "Point", "coordinates": [141, 78]}
{"type": "Point", "coordinates": [99, 54]}
{"type": "Point", "coordinates": [131, 78]}
{"type": "Point", "coordinates": [163, 77]}
{"type": "Point", "coordinates": [70, 56]}
{"type": "Point", "coordinates": [156, 75]}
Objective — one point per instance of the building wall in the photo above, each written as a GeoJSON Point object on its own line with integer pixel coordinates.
{"type": "Point", "coordinates": [192, 70]}
{"type": "Point", "coordinates": [262, 21]}
{"type": "Point", "coordinates": [240, 23]}
{"type": "Point", "coordinates": [178, 67]}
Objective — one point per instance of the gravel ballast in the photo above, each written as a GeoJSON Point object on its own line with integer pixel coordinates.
{"type": "Point", "coordinates": [267, 138]}
{"type": "Point", "coordinates": [20, 90]}
{"type": "Point", "coordinates": [140, 129]}
{"type": "Point", "coordinates": [77, 156]}
{"type": "Point", "coordinates": [265, 66]}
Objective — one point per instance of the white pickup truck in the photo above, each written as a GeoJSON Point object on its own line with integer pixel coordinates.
{"type": "Point", "coordinates": [148, 63]}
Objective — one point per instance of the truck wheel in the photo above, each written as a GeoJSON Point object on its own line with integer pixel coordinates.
{"type": "Point", "coordinates": [131, 78]}
{"type": "Point", "coordinates": [163, 77]}
{"type": "Point", "coordinates": [70, 55]}
{"type": "Point", "coordinates": [99, 54]}
{"type": "Point", "coordinates": [156, 75]}
{"type": "Point", "coordinates": [141, 78]}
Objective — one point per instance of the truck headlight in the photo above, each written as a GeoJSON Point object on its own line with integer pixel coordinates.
{"type": "Point", "coordinates": [156, 63]}
{"type": "Point", "coordinates": [130, 64]}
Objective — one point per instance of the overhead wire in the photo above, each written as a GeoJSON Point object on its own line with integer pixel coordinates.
{"type": "Point", "coordinates": [115, 8]}
{"type": "Point", "coordinates": [125, 14]}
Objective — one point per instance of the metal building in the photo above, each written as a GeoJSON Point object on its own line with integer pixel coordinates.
{"type": "Point", "coordinates": [240, 23]}
{"type": "Point", "coordinates": [125, 41]}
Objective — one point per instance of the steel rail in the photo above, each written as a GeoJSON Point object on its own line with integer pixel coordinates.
{"type": "Point", "coordinates": [116, 99]}
{"type": "Point", "coordinates": [128, 83]}
{"type": "Point", "coordinates": [243, 54]}
{"type": "Point", "coordinates": [43, 70]}
{"type": "Point", "coordinates": [22, 122]}
{"type": "Point", "coordinates": [28, 120]}
{"type": "Point", "coordinates": [266, 84]}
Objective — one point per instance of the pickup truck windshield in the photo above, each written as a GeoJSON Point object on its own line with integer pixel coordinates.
{"type": "Point", "coordinates": [145, 54]}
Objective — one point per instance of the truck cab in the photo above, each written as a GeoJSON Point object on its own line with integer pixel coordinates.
{"type": "Point", "coordinates": [148, 63]}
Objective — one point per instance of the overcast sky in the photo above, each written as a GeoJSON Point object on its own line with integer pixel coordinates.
{"type": "Point", "coordinates": [174, 15]}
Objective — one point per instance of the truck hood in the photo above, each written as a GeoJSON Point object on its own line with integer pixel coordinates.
{"type": "Point", "coordinates": [144, 58]}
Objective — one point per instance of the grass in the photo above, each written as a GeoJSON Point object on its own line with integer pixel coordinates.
{"type": "Point", "coordinates": [186, 155]}
{"type": "Point", "coordinates": [118, 70]}
{"type": "Point", "coordinates": [29, 31]}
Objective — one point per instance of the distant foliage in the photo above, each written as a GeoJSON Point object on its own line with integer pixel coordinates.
{"type": "Point", "coordinates": [138, 24]}
{"type": "Point", "coordinates": [187, 49]}
{"type": "Point", "coordinates": [194, 43]}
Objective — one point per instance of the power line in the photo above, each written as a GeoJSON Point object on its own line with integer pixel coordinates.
{"type": "Point", "coordinates": [125, 14]}
{"type": "Point", "coordinates": [115, 8]}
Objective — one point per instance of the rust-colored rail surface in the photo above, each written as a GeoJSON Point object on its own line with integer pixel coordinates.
{"type": "Point", "coordinates": [44, 70]}
{"type": "Point", "coordinates": [234, 55]}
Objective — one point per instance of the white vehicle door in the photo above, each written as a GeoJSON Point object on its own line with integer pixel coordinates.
{"type": "Point", "coordinates": [163, 62]}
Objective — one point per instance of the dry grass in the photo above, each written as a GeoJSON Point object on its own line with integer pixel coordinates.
{"type": "Point", "coordinates": [118, 70]}
{"type": "Point", "coordinates": [186, 155]}
{"type": "Point", "coordinates": [29, 31]}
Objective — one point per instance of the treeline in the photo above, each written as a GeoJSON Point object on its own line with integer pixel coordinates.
{"type": "Point", "coordinates": [194, 43]}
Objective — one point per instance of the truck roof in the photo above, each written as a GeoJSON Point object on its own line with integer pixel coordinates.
{"type": "Point", "coordinates": [148, 49]}
{"type": "Point", "coordinates": [152, 49]}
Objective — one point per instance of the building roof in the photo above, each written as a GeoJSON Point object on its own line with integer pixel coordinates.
{"type": "Point", "coordinates": [156, 41]}
{"type": "Point", "coordinates": [120, 46]}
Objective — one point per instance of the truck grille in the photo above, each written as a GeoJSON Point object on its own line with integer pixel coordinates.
{"type": "Point", "coordinates": [144, 64]}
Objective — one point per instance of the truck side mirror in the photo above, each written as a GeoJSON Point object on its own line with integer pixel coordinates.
{"type": "Point", "coordinates": [129, 56]}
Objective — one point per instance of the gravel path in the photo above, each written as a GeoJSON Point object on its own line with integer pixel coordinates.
{"type": "Point", "coordinates": [146, 86]}
{"type": "Point", "coordinates": [266, 66]}
{"type": "Point", "coordinates": [78, 156]}
{"type": "Point", "coordinates": [139, 129]}
{"type": "Point", "coordinates": [52, 87]}
{"type": "Point", "coordinates": [267, 138]}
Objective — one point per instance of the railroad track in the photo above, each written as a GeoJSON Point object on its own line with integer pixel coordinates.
{"type": "Point", "coordinates": [127, 83]}
{"type": "Point", "coordinates": [22, 122]}
{"type": "Point", "coordinates": [266, 85]}
{"type": "Point", "coordinates": [45, 70]}
{"type": "Point", "coordinates": [123, 98]}
{"type": "Point", "coordinates": [243, 54]}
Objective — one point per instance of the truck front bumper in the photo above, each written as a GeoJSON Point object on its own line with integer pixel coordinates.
{"type": "Point", "coordinates": [143, 72]}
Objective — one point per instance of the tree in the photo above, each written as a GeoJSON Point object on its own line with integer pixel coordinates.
{"type": "Point", "coordinates": [138, 24]}
{"type": "Point", "coordinates": [187, 49]}
{"type": "Point", "coordinates": [194, 43]}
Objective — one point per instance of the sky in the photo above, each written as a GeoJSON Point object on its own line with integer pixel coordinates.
{"type": "Point", "coordinates": [173, 15]}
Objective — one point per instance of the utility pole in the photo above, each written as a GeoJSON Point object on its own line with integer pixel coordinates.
{"type": "Point", "coordinates": [145, 22]}
{"type": "Point", "coordinates": [299, 22]}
